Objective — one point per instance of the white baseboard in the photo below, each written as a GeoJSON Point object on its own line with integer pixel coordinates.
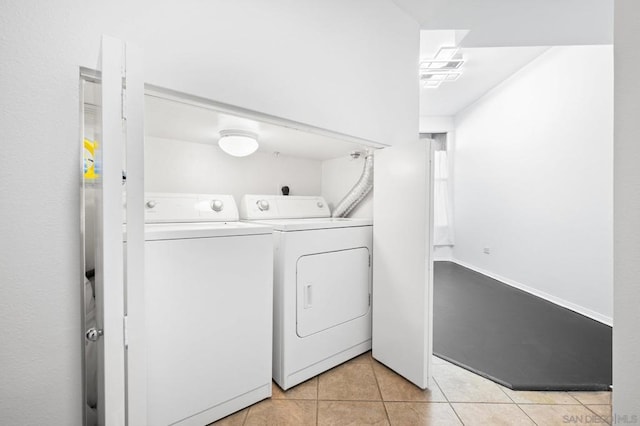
{"type": "Point", "coordinates": [443, 259]}
{"type": "Point", "coordinates": [546, 296]}
{"type": "Point", "coordinates": [443, 253]}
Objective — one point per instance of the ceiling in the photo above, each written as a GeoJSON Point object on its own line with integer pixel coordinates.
{"type": "Point", "coordinates": [483, 69]}
{"type": "Point", "coordinates": [498, 38]}
{"type": "Point", "coordinates": [184, 121]}
{"type": "Point", "coordinates": [495, 23]}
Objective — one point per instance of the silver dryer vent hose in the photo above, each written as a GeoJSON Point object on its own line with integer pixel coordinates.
{"type": "Point", "coordinates": [359, 190]}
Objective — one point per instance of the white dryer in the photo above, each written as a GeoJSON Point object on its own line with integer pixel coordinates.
{"type": "Point", "coordinates": [208, 292]}
{"type": "Point", "coordinates": [322, 284]}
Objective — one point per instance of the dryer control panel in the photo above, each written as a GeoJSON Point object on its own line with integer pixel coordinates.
{"type": "Point", "coordinates": [260, 207]}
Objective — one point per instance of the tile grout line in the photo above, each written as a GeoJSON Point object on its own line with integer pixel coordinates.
{"type": "Point", "coordinates": [496, 403]}
{"type": "Point", "coordinates": [375, 376]}
{"type": "Point", "coordinates": [517, 405]}
{"type": "Point", "coordinates": [447, 398]}
{"type": "Point", "coordinates": [364, 400]}
{"type": "Point", "coordinates": [607, 421]}
{"type": "Point", "coordinates": [440, 389]}
{"type": "Point", "coordinates": [598, 415]}
{"type": "Point", "coordinates": [574, 398]}
{"type": "Point", "coordinates": [525, 413]}
{"type": "Point", "coordinates": [246, 415]}
{"type": "Point", "coordinates": [507, 395]}
{"type": "Point", "coordinates": [318, 399]}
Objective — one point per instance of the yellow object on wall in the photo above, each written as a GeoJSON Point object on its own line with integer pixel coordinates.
{"type": "Point", "coordinates": [90, 160]}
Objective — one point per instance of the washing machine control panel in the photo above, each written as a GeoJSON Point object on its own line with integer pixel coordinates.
{"type": "Point", "coordinates": [261, 207]}
{"type": "Point", "coordinates": [217, 205]}
{"type": "Point", "coordinates": [174, 207]}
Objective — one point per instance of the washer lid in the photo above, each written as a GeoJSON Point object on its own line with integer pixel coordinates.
{"type": "Point", "coordinates": [177, 231]}
{"type": "Point", "coordinates": [315, 223]}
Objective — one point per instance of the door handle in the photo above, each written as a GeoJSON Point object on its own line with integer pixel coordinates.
{"type": "Point", "coordinates": [307, 296]}
{"type": "Point", "coordinates": [93, 334]}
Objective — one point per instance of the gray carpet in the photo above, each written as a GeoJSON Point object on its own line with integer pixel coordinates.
{"type": "Point", "coordinates": [514, 338]}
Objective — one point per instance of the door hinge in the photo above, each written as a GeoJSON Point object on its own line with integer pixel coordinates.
{"type": "Point", "coordinates": [123, 90]}
{"type": "Point", "coordinates": [123, 104]}
{"type": "Point", "coordinates": [369, 261]}
{"type": "Point", "coordinates": [125, 331]}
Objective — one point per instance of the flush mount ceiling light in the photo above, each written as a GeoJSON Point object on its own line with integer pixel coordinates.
{"type": "Point", "coordinates": [445, 59]}
{"type": "Point", "coordinates": [445, 66]}
{"type": "Point", "coordinates": [238, 143]}
{"type": "Point", "coordinates": [446, 53]}
{"type": "Point", "coordinates": [433, 79]}
{"type": "Point", "coordinates": [433, 64]}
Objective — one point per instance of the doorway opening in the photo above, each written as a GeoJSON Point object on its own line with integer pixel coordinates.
{"type": "Point", "coordinates": [532, 211]}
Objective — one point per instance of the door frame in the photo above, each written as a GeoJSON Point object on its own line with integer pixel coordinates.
{"type": "Point", "coordinates": [120, 315]}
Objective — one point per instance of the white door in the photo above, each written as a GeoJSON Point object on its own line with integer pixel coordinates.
{"type": "Point", "coordinates": [402, 261]}
{"type": "Point", "coordinates": [118, 291]}
{"type": "Point", "coordinates": [134, 291]}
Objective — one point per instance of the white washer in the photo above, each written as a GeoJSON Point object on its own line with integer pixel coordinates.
{"type": "Point", "coordinates": [208, 298]}
{"type": "Point", "coordinates": [322, 284]}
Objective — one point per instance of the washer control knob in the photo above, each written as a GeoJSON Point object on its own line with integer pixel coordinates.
{"type": "Point", "coordinates": [217, 205]}
{"type": "Point", "coordinates": [320, 204]}
{"type": "Point", "coordinates": [263, 205]}
{"type": "Point", "coordinates": [151, 204]}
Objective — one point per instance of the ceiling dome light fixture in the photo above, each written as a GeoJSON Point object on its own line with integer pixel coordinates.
{"type": "Point", "coordinates": [238, 143]}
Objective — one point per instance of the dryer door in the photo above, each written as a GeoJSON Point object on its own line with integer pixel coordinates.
{"type": "Point", "coordinates": [332, 288]}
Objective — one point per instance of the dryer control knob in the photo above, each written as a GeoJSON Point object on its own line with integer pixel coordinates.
{"type": "Point", "coordinates": [263, 205]}
{"type": "Point", "coordinates": [217, 205]}
{"type": "Point", "coordinates": [320, 204]}
{"type": "Point", "coordinates": [151, 204]}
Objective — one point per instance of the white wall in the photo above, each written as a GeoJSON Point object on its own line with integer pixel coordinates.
{"type": "Point", "coordinates": [534, 179]}
{"type": "Point", "coordinates": [436, 124]}
{"type": "Point", "coordinates": [349, 67]}
{"type": "Point", "coordinates": [339, 175]}
{"type": "Point", "coordinates": [180, 166]}
{"type": "Point", "coordinates": [626, 338]}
